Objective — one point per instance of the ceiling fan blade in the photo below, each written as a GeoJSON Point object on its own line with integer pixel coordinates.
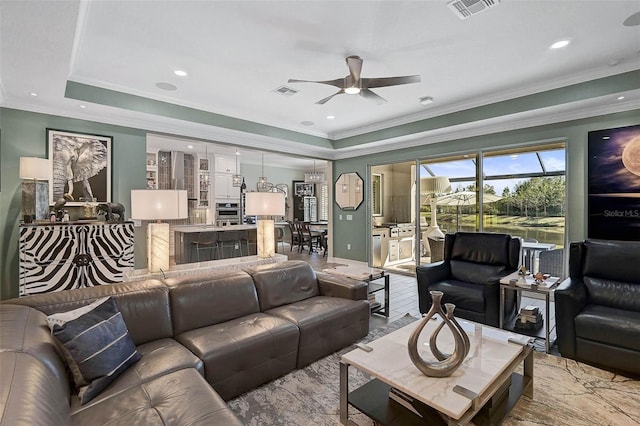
{"type": "Point", "coordinates": [368, 94]}
{"type": "Point", "coordinates": [355, 66]}
{"type": "Point", "coordinates": [390, 81]}
{"type": "Point", "coordinates": [338, 82]}
{"type": "Point", "coordinates": [328, 98]}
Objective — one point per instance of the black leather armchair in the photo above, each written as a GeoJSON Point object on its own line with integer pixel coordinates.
{"type": "Point", "coordinates": [469, 276]}
{"type": "Point", "coordinates": [598, 306]}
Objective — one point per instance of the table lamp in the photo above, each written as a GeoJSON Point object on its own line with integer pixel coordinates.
{"type": "Point", "coordinates": [432, 187]}
{"type": "Point", "coordinates": [263, 204]}
{"type": "Point", "coordinates": [157, 204]}
{"type": "Point", "coordinates": [35, 188]}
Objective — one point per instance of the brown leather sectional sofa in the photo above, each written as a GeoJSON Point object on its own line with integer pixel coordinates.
{"type": "Point", "coordinates": [203, 340]}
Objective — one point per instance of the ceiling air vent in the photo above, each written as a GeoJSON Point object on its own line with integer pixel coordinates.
{"type": "Point", "coordinates": [466, 8]}
{"type": "Point", "coordinates": [285, 91]}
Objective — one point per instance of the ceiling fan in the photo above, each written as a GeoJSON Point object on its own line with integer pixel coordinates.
{"type": "Point", "coordinates": [354, 85]}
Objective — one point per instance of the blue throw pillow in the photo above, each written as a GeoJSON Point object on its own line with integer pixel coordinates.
{"type": "Point", "coordinates": [97, 345]}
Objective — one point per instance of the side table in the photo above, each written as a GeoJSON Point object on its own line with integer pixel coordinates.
{"type": "Point", "coordinates": [527, 283]}
{"type": "Point", "coordinates": [368, 275]}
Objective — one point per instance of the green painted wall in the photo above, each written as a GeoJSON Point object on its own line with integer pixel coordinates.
{"type": "Point", "coordinates": [24, 135]}
{"type": "Point", "coordinates": [357, 233]}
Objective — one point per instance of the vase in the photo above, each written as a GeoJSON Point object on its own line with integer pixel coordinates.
{"type": "Point", "coordinates": [433, 344]}
{"type": "Point", "coordinates": [446, 366]}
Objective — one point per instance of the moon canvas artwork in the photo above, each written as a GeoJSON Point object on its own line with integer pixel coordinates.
{"type": "Point", "coordinates": [631, 156]}
{"type": "Point", "coordinates": [614, 183]}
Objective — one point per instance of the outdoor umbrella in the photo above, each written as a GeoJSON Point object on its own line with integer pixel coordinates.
{"type": "Point", "coordinates": [464, 198]}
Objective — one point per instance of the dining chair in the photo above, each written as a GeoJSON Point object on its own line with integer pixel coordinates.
{"type": "Point", "coordinates": [309, 237]}
{"type": "Point", "coordinates": [295, 237]}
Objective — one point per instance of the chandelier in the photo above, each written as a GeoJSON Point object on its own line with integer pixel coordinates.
{"type": "Point", "coordinates": [314, 176]}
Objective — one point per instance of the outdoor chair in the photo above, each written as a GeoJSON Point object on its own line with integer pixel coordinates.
{"type": "Point", "coordinates": [551, 262]}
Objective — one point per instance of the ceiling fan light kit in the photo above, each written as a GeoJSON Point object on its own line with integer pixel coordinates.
{"type": "Point", "coordinates": [353, 84]}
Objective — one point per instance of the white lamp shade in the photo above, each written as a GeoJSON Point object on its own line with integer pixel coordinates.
{"type": "Point", "coordinates": [435, 185]}
{"type": "Point", "coordinates": [265, 204]}
{"type": "Point", "coordinates": [35, 168]}
{"type": "Point", "coordinates": [155, 204]}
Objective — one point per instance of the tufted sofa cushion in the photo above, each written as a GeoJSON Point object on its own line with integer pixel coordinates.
{"type": "Point", "coordinates": [203, 300]}
{"type": "Point", "coordinates": [283, 283]}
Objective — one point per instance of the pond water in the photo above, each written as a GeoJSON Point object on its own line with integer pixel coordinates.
{"type": "Point", "coordinates": [542, 235]}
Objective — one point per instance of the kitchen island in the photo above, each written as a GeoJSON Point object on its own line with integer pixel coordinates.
{"type": "Point", "coordinates": [215, 242]}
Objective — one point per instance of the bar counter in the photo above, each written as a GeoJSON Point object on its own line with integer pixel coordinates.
{"type": "Point", "coordinates": [187, 235]}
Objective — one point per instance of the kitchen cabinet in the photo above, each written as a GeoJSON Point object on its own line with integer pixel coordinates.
{"type": "Point", "coordinates": [65, 256]}
{"type": "Point", "coordinates": [380, 246]}
{"type": "Point", "coordinates": [394, 251]}
{"type": "Point", "coordinates": [225, 164]}
{"type": "Point", "coordinates": [204, 181]}
{"type": "Point", "coordinates": [152, 171]}
{"type": "Point", "coordinates": [224, 189]}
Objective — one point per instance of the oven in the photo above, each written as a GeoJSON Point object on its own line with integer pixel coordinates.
{"type": "Point", "coordinates": [227, 213]}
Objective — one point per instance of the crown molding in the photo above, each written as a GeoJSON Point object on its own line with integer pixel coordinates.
{"type": "Point", "coordinates": [540, 117]}
{"type": "Point", "coordinates": [175, 101]}
{"type": "Point", "coordinates": [175, 127]}
{"type": "Point", "coordinates": [502, 96]}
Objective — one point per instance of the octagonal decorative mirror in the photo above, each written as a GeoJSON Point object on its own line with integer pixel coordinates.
{"type": "Point", "coordinates": [349, 191]}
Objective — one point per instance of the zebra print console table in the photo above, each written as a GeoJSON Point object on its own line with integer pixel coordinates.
{"type": "Point", "coordinates": [59, 257]}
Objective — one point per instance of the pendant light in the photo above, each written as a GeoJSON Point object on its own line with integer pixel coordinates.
{"type": "Point", "coordinates": [262, 180]}
{"type": "Point", "coordinates": [237, 177]}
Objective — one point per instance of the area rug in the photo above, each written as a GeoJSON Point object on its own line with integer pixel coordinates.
{"type": "Point", "coordinates": [565, 393]}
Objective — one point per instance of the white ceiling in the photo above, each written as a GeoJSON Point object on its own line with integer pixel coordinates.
{"type": "Point", "coordinates": [237, 52]}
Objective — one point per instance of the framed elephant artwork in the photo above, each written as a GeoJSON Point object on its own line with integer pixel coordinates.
{"type": "Point", "coordinates": [80, 167]}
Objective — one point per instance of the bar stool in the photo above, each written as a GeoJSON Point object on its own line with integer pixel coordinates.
{"type": "Point", "coordinates": [279, 237]}
{"type": "Point", "coordinates": [249, 239]}
{"type": "Point", "coordinates": [210, 244]}
{"type": "Point", "coordinates": [230, 240]}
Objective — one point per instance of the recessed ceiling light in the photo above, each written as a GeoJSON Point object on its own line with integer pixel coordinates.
{"type": "Point", "coordinates": [82, 106]}
{"type": "Point", "coordinates": [190, 146]}
{"type": "Point", "coordinates": [180, 73]}
{"type": "Point", "coordinates": [560, 44]}
{"type": "Point", "coordinates": [165, 86]}
{"type": "Point", "coordinates": [426, 100]}
{"type": "Point", "coordinates": [620, 98]}
{"type": "Point", "coordinates": [352, 90]}
{"type": "Point", "coordinates": [307, 123]}
{"type": "Point", "coordinates": [330, 117]}
{"type": "Point", "coordinates": [33, 94]}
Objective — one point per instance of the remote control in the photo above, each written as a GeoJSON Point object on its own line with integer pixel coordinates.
{"type": "Point", "coordinates": [364, 347]}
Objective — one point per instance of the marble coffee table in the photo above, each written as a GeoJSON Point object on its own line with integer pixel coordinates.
{"type": "Point", "coordinates": [488, 371]}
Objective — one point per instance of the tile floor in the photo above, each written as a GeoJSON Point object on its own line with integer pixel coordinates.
{"type": "Point", "coordinates": [403, 295]}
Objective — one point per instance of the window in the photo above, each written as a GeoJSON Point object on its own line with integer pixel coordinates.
{"type": "Point", "coordinates": [522, 192]}
{"type": "Point", "coordinates": [530, 183]}
{"type": "Point", "coordinates": [376, 194]}
{"type": "Point", "coordinates": [323, 207]}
